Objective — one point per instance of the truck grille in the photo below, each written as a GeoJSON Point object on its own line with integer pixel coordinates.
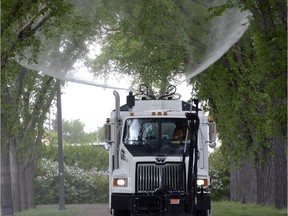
{"type": "Point", "coordinates": [150, 177]}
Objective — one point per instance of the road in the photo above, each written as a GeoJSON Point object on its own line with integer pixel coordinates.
{"type": "Point", "coordinates": [94, 209]}
{"type": "Point", "coordinates": [86, 209]}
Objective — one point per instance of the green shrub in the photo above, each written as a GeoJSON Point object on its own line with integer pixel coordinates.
{"type": "Point", "coordinates": [81, 186]}
{"type": "Point", "coordinates": [85, 156]}
{"type": "Point", "coordinates": [220, 176]}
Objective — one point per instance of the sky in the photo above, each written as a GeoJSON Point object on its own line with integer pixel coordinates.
{"type": "Point", "coordinates": [92, 105]}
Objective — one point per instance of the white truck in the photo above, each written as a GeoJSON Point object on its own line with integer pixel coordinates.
{"type": "Point", "coordinates": [158, 156]}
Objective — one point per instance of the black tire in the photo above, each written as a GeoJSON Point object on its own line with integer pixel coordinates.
{"type": "Point", "coordinates": [202, 213]}
{"type": "Point", "coordinates": [120, 212]}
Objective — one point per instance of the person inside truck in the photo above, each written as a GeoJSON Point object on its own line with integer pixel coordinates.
{"type": "Point", "coordinates": [180, 133]}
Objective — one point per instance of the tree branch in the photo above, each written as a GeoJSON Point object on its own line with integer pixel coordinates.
{"type": "Point", "coordinates": [38, 102]}
{"type": "Point", "coordinates": [28, 26]}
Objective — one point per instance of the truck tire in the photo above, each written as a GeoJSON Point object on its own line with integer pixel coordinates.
{"type": "Point", "coordinates": [120, 212]}
{"type": "Point", "coordinates": [202, 213]}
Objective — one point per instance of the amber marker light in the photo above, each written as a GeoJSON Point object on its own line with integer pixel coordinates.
{"type": "Point", "coordinates": [120, 182]}
{"type": "Point", "coordinates": [202, 182]}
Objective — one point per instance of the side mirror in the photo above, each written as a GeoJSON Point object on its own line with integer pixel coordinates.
{"type": "Point", "coordinates": [212, 134]}
{"type": "Point", "coordinates": [107, 132]}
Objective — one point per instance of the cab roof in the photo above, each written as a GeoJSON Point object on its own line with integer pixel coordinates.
{"type": "Point", "coordinates": [145, 105]}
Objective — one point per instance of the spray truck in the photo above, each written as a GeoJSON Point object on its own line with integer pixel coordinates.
{"type": "Point", "coordinates": [158, 155]}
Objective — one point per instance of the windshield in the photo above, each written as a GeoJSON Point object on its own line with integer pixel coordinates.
{"type": "Point", "coordinates": [164, 136]}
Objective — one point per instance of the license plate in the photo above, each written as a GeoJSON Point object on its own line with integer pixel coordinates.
{"type": "Point", "coordinates": [174, 201]}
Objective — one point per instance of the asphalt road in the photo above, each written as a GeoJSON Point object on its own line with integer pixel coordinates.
{"type": "Point", "coordinates": [94, 209]}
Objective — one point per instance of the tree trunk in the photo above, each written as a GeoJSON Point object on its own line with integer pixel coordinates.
{"type": "Point", "coordinates": [14, 168]}
{"type": "Point", "coordinates": [6, 195]}
{"type": "Point", "coordinates": [22, 185]}
{"type": "Point", "coordinates": [266, 181]}
{"type": "Point", "coordinates": [234, 176]}
{"type": "Point", "coordinates": [280, 158]}
{"type": "Point", "coordinates": [30, 189]}
{"type": "Point", "coordinates": [30, 169]}
{"type": "Point", "coordinates": [241, 177]}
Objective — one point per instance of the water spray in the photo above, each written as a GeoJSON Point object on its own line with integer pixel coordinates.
{"type": "Point", "coordinates": [58, 61]}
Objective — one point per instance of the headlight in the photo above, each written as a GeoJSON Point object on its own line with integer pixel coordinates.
{"type": "Point", "coordinates": [202, 182]}
{"type": "Point", "coordinates": [120, 182]}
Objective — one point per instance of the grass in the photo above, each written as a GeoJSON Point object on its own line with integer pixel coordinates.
{"type": "Point", "coordinates": [223, 208]}
{"type": "Point", "coordinates": [50, 211]}
{"type": "Point", "coordinates": [226, 208]}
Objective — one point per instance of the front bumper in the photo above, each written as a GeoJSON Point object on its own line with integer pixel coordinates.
{"type": "Point", "coordinates": [163, 204]}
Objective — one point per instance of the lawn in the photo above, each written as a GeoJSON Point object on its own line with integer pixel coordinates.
{"type": "Point", "coordinates": [50, 211]}
{"type": "Point", "coordinates": [224, 208]}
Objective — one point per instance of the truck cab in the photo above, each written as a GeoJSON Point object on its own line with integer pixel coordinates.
{"type": "Point", "coordinates": [158, 162]}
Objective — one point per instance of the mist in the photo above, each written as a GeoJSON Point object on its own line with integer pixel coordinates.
{"type": "Point", "coordinates": [64, 56]}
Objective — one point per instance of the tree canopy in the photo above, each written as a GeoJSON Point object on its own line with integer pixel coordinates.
{"type": "Point", "coordinates": [74, 133]}
{"type": "Point", "coordinates": [159, 38]}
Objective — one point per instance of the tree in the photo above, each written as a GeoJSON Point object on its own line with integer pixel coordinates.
{"type": "Point", "coordinates": [78, 146]}
{"type": "Point", "coordinates": [26, 96]}
{"type": "Point", "coordinates": [22, 123]}
{"type": "Point", "coordinates": [73, 133]}
{"type": "Point", "coordinates": [246, 92]}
